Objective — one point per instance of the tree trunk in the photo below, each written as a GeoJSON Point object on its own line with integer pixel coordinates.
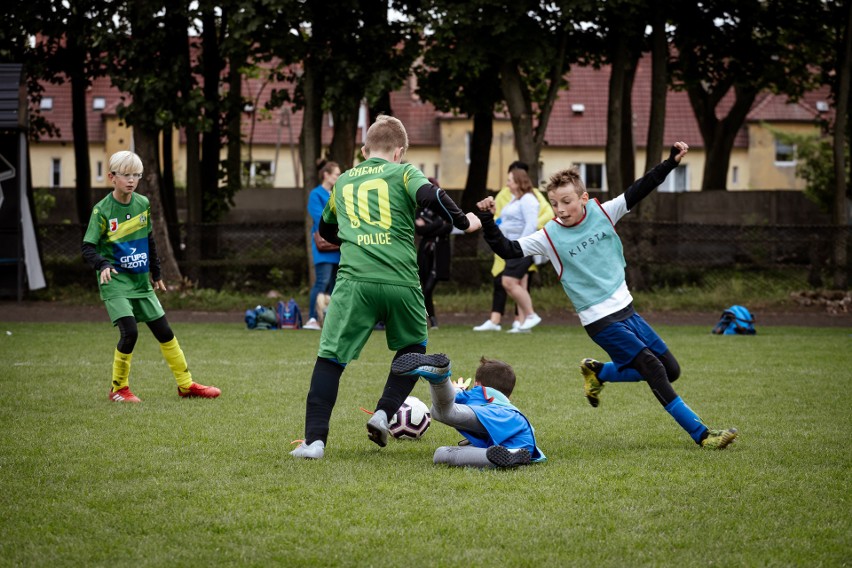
{"type": "Point", "coordinates": [310, 142]}
{"type": "Point", "coordinates": [233, 163]}
{"type": "Point", "coordinates": [194, 203]}
{"type": "Point", "coordinates": [640, 271]}
{"type": "Point", "coordinates": [627, 159]}
{"type": "Point", "coordinates": [167, 188]}
{"type": "Point", "coordinates": [147, 146]}
{"type": "Point", "coordinates": [719, 135]}
{"type": "Point", "coordinates": [841, 125]}
{"type": "Point", "coordinates": [521, 113]}
{"type": "Point", "coordinates": [614, 181]}
{"type": "Point", "coordinates": [79, 129]}
{"type": "Point", "coordinates": [480, 153]}
{"type": "Point", "coordinates": [659, 90]}
{"type": "Point", "coordinates": [342, 147]}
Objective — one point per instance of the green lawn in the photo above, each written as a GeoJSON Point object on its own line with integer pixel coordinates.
{"type": "Point", "coordinates": [175, 482]}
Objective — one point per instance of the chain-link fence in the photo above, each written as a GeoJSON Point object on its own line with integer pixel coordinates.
{"type": "Point", "coordinates": [273, 255]}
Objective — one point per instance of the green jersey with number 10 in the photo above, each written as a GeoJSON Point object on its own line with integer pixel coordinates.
{"type": "Point", "coordinates": [373, 205]}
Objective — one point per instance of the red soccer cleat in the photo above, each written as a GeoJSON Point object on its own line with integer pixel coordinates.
{"type": "Point", "coordinates": [200, 391]}
{"type": "Point", "coordinates": [123, 395]}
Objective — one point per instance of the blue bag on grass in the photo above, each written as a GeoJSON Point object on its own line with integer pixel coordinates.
{"type": "Point", "coordinates": [736, 320]}
{"type": "Point", "coordinates": [289, 315]}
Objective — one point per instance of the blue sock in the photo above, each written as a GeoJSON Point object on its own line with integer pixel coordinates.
{"type": "Point", "coordinates": [687, 419]}
{"type": "Point", "coordinates": [611, 374]}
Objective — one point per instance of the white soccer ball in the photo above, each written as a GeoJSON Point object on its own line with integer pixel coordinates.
{"type": "Point", "coordinates": [411, 420]}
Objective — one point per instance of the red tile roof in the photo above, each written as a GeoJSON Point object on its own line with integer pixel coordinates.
{"type": "Point", "coordinates": [567, 128]}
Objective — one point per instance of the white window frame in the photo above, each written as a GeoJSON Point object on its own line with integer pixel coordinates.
{"type": "Point", "coordinates": [779, 147]}
{"type": "Point", "coordinates": [56, 172]}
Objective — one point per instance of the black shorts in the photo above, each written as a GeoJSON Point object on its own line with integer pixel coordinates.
{"type": "Point", "coordinates": [518, 267]}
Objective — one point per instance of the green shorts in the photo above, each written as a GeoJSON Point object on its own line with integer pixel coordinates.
{"type": "Point", "coordinates": [143, 309]}
{"type": "Point", "coordinates": [356, 308]}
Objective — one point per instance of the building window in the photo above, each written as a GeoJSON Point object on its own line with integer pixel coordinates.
{"type": "Point", "coordinates": [735, 175]}
{"type": "Point", "coordinates": [98, 103]}
{"type": "Point", "coordinates": [676, 182]}
{"type": "Point", "coordinates": [258, 174]}
{"type": "Point", "coordinates": [55, 172]}
{"type": "Point", "coordinates": [99, 170]}
{"type": "Point", "coordinates": [46, 103]}
{"type": "Point", "coordinates": [593, 176]}
{"type": "Point", "coordinates": [785, 153]}
{"type": "Point", "coordinates": [468, 136]}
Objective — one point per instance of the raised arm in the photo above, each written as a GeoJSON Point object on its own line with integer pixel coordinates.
{"type": "Point", "coordinates": [643, 186]}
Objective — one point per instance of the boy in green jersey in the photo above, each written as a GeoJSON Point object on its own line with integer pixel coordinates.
{"type": "Point", "coordinates": [119, 246]}
{"type": "Point", "coordinates": [371, 215]}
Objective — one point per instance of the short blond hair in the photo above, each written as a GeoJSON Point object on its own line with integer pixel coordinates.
{"type": "Point", "coordinates": [386, 135]}
{"type": "Point", "coordinates": [564, 178]}
{"type": "Point", "coordinates": [125, 162]}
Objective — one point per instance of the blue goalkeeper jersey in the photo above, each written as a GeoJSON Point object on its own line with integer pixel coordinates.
{"type": "Point", "coordinates": [506, 425]}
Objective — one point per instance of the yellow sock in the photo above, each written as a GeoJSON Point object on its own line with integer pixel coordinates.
{"type": "Point", "coordinates": [177, 363]}
{"type": "Point", "coordinates": [120, 370]}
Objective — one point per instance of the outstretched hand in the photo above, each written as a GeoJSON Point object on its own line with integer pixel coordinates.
{"type": "Point", "coordinates": [679, 150]}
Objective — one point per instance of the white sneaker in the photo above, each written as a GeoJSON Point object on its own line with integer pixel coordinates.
{"type": "Point", "coordinates": [518, 329]}
{"type": "Point", "coordinates": [516, 324]}
{"type": "Point", "coordinates": [531, 321]}
{"type": "Point", "coordinates": [311, 324]}
{"type": "Point", "coordinates": [488, 326]}
{"type": "Point", "coordinates": [313, 451]}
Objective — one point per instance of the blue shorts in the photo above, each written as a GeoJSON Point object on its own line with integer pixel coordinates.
{"type": "Point", "coordinates": [623, 340]}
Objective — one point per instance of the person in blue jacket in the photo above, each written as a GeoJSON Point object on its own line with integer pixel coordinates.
{"type": "Point", "coordinates": [325, 262]}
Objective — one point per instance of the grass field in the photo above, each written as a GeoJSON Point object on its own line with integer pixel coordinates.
{"type": "Point", "coordinates": [175, 482]}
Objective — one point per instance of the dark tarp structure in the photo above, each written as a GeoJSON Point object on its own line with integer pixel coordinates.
{"type": "Point", "coordinates": [20, 261]}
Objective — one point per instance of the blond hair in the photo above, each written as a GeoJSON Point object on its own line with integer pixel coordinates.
{"type": "Point", "coordinates": [125, 162]}
{"type": "Point", "coordinates": [564, 178]}
{"type": "Point", "coordinates": [385, 136]}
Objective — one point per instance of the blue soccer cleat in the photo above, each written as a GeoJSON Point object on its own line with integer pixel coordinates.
{"type": "Point", "coordinates": [434, 368]}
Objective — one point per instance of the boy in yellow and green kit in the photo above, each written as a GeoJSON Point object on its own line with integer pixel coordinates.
{"type": "Point", "coordinates": [119, 245]}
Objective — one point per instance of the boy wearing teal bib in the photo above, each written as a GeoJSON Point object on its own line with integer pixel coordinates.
{"type": "Point", "coordinates": [586, 252]}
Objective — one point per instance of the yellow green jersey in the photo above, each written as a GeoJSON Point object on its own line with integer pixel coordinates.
{"type": "Point", "coordinates": [374, 206]}
{"type": "Point", "coordinates": [120, 235]}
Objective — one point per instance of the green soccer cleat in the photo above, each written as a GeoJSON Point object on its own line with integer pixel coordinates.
{"type": "Point", "coordinates": [592, 385]}
{"type": "Point", "coordinates": [719, 439]}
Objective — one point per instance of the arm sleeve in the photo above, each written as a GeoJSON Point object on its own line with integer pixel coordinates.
{"type": "Point", "coordinates": [501, 246]}
{"type": "Point", "coordinates": [92, 258]}
{"type": "Point", "coordinates": [154, 258]}
{"type": "Point", "coordinates": [328, 231]}
{"type": "Point", "coordinates": [433, 196]}
{"type": "Point", "coordinates": [643, 186]}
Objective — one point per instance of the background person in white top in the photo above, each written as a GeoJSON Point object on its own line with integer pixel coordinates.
{"type": "Point", "coordinates": [519, 219]}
